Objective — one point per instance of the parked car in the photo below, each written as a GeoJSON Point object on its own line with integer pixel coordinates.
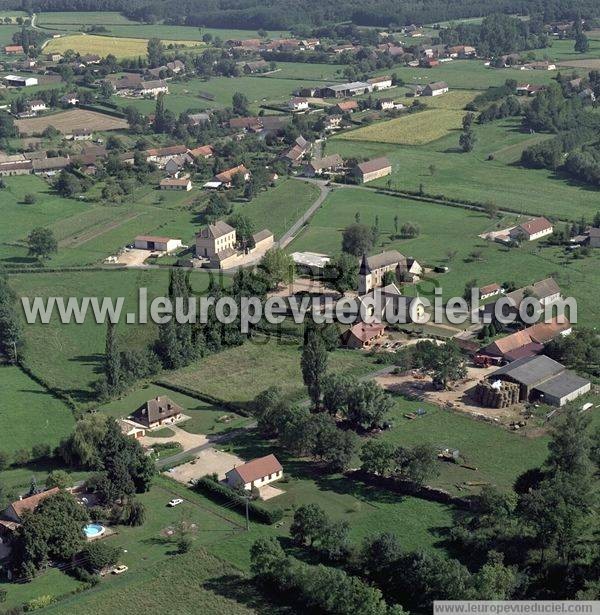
{"type": "Point", "coordinates": [120, 569]}
{"type": "Point", "coordinates": [175, 502]}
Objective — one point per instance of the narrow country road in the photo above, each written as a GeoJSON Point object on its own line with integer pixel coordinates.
{"type": "Point", "coordinates": [290, 234]}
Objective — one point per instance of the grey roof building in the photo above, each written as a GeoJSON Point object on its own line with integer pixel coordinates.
{"type": "Point", "coordinates": [544, 379]}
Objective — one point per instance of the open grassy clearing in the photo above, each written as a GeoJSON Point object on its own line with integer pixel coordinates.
{"type": "Point", "coordinates": [277, 208]}
{"type": "Point", "coordinates": [468, 75]}
{"type": "Point", "coordinates": [204, 418]}
{"type": "Point", "coordinates": [90, 18]}
{"type": "Point", "coordinates": [563, 50]}
{"type": "Point", "coordinates": [72, 355]}
{"type": "Point", "coordinates": [419, 524]}
{"type": "Point", "coordinates": [499, 455]}
{"type": "Point", "coordinates": [120, 47]}
{"type": "Point", "coordinates": [474, 176]}
{"type": "Point", "coordinates": [186, 95]}
{"type": "Point", "coordinates": [28, 414]}
{"type": "Point", "coordinates": [445, 229]}
{"type": "Point", "coordinates": [305, 70]}
{"type": "Point", "coordinates": [6, 35]}
{"type": "Point", "coordinates": [238, 374]}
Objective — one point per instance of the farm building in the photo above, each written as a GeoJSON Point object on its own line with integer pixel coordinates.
{"type": "Point", "coordinates": [204, 151]}
{"type": "Point", "coordinates": [155, 243]}
{"type": "Point", "coordinates": [346, 106]}
{"type": "Point", "coordinates": [158, 411]}
{"type": "Point", "coordinates": [36, 105]}
{"type": "Point", "coordinates": [490, 290]}
{"type": "Point", "coordinates": [13, 50]}
{"type": "Point", "coordinates": [226, 177]}
{"type": "Point", "coordinates": [310, 261]}
{"type": "Point", "coordinates": [343, 90]}
{"type": "Point", "coordinates": [81, 134]}
{"type": "Point", "coordinates": [380, 83]}
{"type": "Point", "coordinates": [21, 167]}
{"type": "Point", "coordinates": [176, 183]}
{"type": "Point", "coordinates": [541, 378]}
{"type": "Point", "coordinates": [162, 155]}
{"type": "Point", "coordinates": [435, 89]}
{"type": "Point", "coordinates": [372, 169]}
{"type": "Point", "coordinates": [17, 81]}
{"type": "Point", "coordinates": [319, 166]}
{"type": "Point", "coordinates": [152, 88]}
{"type": "Point", "coordinates": [533, 229]}
{"type": "Point", "coordinates": [50, 166]}
{"type": "Point", "coordinates": [255, 473]}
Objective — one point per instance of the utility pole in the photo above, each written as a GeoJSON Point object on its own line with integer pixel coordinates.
{"type": "Point", "coordinates": [247, 514]}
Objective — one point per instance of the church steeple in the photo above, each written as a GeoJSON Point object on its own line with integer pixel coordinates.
{"type": "Point", "coordinates": [364, 266]}
{"type": "Point", "coordinates": [365, 277]}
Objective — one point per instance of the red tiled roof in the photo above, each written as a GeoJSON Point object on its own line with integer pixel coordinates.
{"type": "Point", "coordinates": [32, 502]}
{"type": "Point", "coordinates": [366, 332]}
{"type": "Point", "coordinates": [258, 468]}
{"type": "Point", "coordinates": [536, 225]}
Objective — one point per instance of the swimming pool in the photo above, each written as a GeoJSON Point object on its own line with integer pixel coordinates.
{"type": "Point", "coordinates": [93, 530]}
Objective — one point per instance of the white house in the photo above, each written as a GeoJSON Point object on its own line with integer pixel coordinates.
{"type": "Point", "coordinates": [36, 105]}
{"type": "Point", "coordinates": [255, 473]}
{"type": "Point", "coordinates": [436, 89]}
{"type": "Point", "coordinates": [298, 104]}
{"type": "Point", "coordinates": [532, 229]}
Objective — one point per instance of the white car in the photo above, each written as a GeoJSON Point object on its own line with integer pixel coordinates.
{"type": "Point", "coordinates": [120, 569]}
{"type": "Point", "coordinates": [175, 502]}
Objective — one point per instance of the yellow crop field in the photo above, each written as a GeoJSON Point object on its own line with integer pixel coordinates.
{"type": "Point", "coordinates": [415, 129]}
{"type": "Point", "coordinates": [105, 45]}
{"type": "Point", "coordinates": [444, 113]}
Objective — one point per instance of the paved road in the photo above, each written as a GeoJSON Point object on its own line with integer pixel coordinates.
{"type": "Point", "coordinates": [166, 462]}
{"type": "Point", "coordinates": [324, 190]}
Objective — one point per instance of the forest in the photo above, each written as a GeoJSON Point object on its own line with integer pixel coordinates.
{"type": "Point", "coordinates": [283, 14]}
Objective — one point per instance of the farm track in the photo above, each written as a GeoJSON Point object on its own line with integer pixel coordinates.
{"type": "Point", "coordinates": [79, 240]}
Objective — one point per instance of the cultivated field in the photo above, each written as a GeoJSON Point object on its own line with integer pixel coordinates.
{"type": "Point", "coordinates": [413, 129]}
{"type": "Point", "coordinates": [74, 119]}
{"type": "Point", "coordinates": [105, 45]}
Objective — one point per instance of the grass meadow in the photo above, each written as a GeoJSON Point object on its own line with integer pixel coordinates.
{"type": "Point", "coordinates": [29, 415]}
{"type": "Point", "coordinates": [490, 173]}
{"type": "Point", "coordinates": [238, 374]}
{"type": "Point", "coordinates": [448, 230]}
{"type": "Point", "coordinates": [72, 354]}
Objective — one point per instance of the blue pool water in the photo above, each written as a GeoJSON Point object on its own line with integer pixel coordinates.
{"type": "Point", "coordinates": [93, 530]}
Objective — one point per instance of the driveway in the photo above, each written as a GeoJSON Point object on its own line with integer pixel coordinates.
{"type": "Point", "coordinates": [187, 440]}
{"type": "Point", "coordinates": [208, 461]}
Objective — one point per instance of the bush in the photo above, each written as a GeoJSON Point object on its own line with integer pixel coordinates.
{"type": "Point", "coordinates": [29, 199]}
{"type": "Point", "coordinates": [219, 493]}
{"type": "Point", "coordinates": [40, 603]}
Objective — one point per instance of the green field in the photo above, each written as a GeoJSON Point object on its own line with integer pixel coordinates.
{"type": "Point", "coordinates": [468, 75]}
{"type": "Point", "coordinates": [459, 230]}
{"type": "Point", "coordinates": [6, 36]}
{"type": "Point", "coordinates": [29, 415]}
{"type": "Point", "coordinates": [73, 353]}
{"type": "Point", "coordinates": [204, 417]}
{"type": "Point", "coordinates": [238, 374]}
{"type": "Point", "coordinates": [474, 176]}
{"type": "Point", "coordinates": [499, 455]}
{"type": "Point", "coordinates": [185, 95]}
{"type": "Point", "coordinates": [278, 208]}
